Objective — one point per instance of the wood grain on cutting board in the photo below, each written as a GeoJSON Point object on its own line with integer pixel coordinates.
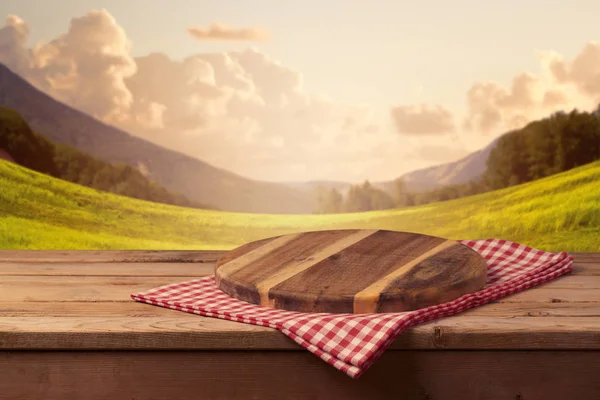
{"type": "Point", "coordinates": [351, 271]}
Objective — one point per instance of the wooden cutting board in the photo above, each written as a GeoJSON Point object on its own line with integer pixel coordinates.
{"type": "Point", "coordinates": [350, 271]}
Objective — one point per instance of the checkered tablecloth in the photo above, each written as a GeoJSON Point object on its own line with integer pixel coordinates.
{"type": "Point", "coordinates": [352, 342]}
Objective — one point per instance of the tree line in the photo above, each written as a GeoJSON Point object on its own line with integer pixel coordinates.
{"type": "Point", "coordinates": [34, 151]}
{"type": "Point", "coordinates": [363, 197]}
{"type": "Point", "coordinates": [366, 197]}
{"type": "Point", "coordinates": [545, 147]}
{"type": "Point", "coordinates": [542, 148]}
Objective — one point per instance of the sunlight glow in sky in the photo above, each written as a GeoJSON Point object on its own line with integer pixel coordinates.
{"type": "Point", "coordinates": [340, 90]}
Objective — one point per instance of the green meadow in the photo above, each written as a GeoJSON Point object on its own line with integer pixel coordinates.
{"type": "Point", "coordinates": [558, 213]}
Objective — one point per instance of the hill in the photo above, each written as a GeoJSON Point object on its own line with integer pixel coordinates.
{"type": "Point", "coordinates": [18, 143]}
{"type": "Point", "coordinates": [195, 179]}
{"type": "Point", "coordinates": [37, 211]}
{"type": "Point", "coordinates": [468, 168]}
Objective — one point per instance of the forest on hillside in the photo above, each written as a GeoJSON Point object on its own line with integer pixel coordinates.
{"type": "Point", "coordinates": [34, 151]}
{"type": "Point", "coordinates": [542, 148]}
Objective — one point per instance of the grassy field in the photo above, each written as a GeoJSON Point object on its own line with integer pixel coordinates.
{"type": "Point", "coordinates": [558, 213]}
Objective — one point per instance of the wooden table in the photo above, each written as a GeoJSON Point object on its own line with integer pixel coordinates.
{"type": "Point", "coordinates": [69, 330]}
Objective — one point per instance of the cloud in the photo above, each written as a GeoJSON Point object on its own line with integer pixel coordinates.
{"type": "Point", "coordinates": [554, 98]}
{"type": "Point", "coordinates": [217, 31]}
{"type": "Point", "coordinates": [13, 37]}
{"type": "Point", "coordinates": [561, 84]}
{"type": "Point", "coordinates": [240, 110]}
{"type": "Point", "coordinates": [182, 96]}
{"type": "Point", "coordinates": [422, 120]}
{"type": "Point", "coordinates": [247, 112]}
{"type": "Point", "coordinates": [84, 67]}
{"type": "Point", "coordinates": [583, 71]}
{"type": "Point", "coordinates": [490, 104]}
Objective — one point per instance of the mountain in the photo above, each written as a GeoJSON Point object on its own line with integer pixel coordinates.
{"type": "Point", "coordinates": [20, 144]}
{"type": "Point", "coordinates": [467, 168]}
{"type": "Point", "coordinates": [193, 178]}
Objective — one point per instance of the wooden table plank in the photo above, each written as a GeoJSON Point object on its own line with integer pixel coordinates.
{"type": "Point", "coordinates": [186, 331]}
{"type": "Point", "coordinates": [174, 270]}
{"type": "Point", "coordinates": [122, 256]}
{"type": "Point", "coordinates": [20, 256]}
{"type": "Point", "coordinates": [78, 273]}
{"type": "Point", "coordinates": [127, 308]}
{"type": "Point", "coordinates": [124, 277]}
{"type": "Point", "coordinates": [420, 375]}
{"type": "Point", "coordinates": [550, 295]}
{"type": "Point", "coordinates": [102, 268]}
{"type": "Point", "coordinates": [158, 269]}
{"type": "Point", "coordinates": [590, 309]}
{"type": "Point", "coordinates": [572, 281]}
{"type": "Point", "coordinates": [587, 269]}
{"type": "Point", "coordinates": [174, 332]}
{"type": "Point", "coordinates": [119, 288]}
{"type": "Point", "coordinates": [582, 257]}
{"type": "Point", "coordinates": [79, 288]}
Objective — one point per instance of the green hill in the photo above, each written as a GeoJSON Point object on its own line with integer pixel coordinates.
{"type": "Point", "coordinates": [561, 212]}
{"type": "Point", "coordinates": [19, 143]}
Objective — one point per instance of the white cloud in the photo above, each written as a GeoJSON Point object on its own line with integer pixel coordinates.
{"type": "Point", "coordinates": [422, 119]}
{"type": "Point", "coordinates": [247, 112]}
{"type": "Point", "coordinates": [241, 110]}
{"type": "Point", "coordinates": [218, 31]}
{"type": "Point", "coordinates": [13, 38]}
{"type": "Point", "coordinates": [560, 85]}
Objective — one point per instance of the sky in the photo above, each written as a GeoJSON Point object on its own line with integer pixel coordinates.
{"type": "Point", "coordinates": [311, 90]}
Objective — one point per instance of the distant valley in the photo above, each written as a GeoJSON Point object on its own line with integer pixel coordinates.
{"type": "Point", "coordinates": [462, 171]}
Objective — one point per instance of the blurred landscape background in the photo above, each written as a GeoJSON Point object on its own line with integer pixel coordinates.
{"type": "Point", "coordinates": [202, 137]}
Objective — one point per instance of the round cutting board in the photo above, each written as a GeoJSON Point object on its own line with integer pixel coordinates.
{"type": "Point", "coordinates": [350, 271]}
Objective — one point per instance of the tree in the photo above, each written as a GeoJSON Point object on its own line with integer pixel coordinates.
{"type": "Point", "coordinates": [329, 201]}
{"type": "Point", "coordinates": [334, 201]}
{"type": "Point", "coordinates": [33, 150]}
{"type": "Point", "coordinates": [366, 197]}
{"type": "Point", "coordinates": [402, 197]}
{"type": "Point", "coordinates": [542, 148]}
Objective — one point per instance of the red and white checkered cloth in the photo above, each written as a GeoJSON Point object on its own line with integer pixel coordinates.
{"type": "Point", "coordinates": [352, 342]}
